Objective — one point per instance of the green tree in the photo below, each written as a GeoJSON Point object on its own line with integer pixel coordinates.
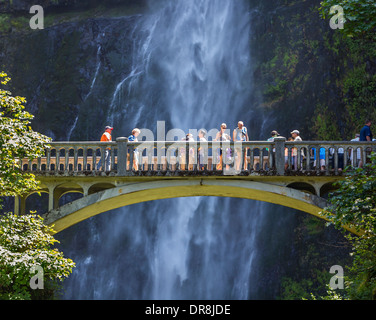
{"type": "Point", "coordinates": [354, 204]}
{"type": "Point", "coordinates": [17, 141]}
{"type": "Point", "coordinates": [26, 242]}
{"type": "Point", "coordinates": [360, 16]}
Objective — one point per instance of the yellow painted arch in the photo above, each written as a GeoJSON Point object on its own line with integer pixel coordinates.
{"type": "Point", "coordinates": [89, 206]}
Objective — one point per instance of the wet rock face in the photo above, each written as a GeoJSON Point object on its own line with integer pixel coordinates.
{"type": "Point", "coordinates": [68, 72]}
{"type": "Point", "coordinates": [24, 5]}
{"type": "Point", "coordinates": [11, 6]}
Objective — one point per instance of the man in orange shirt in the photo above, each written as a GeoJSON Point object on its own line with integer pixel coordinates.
{"type": "Point", "coordinates": [106, 137]}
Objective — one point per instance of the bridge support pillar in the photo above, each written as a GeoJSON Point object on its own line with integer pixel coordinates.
{"type": "Point", "coordinates": [21, 205]}
{"type": "Point", "coordinates": [56, 194]}
{"type": "Point", "coordinates": [51, 190]}
{"type": "Point", "coordinates": [122, 156]}
{"type": "Point", "coordinates": [85, 188]}
{"type": "Point", "coordinates": [280, 155]}
{"type": "Point", "coordinates": [17, 205]}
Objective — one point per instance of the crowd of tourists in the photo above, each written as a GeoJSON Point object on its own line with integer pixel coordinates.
{"type": "Point", "coordinates": [240, 133]}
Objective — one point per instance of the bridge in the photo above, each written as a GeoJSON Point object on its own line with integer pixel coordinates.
{"type": "Point", "coordinates": [280, 172]}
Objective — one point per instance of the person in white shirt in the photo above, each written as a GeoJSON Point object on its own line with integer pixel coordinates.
{"type": "Point", "coordinates": [201, 149]}
{"type": "Point", "coordinates": [189, 138]}
{"type": "Point", "coordinates": [296, 136]}
{"type": "Point", "coordinates": [222, 136]}
{"type": "Point", "coordinates": [240, 134]}
{"type": "Point", "coordinates": [136, 154]}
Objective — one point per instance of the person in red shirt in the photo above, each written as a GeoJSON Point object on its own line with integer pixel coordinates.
{"type": "Point", "coordinates": [106, 137]}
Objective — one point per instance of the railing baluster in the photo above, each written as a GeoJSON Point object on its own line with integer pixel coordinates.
{"type": "Point", "coordinates": [364, 155]}
{"type": "Point", "coordinates": [252, 159]}
{"type": "Point", "coordinates": [244, 162]}
{"type": "Point", "coordinates": [186, 156]}
{"type": "Point", "coordinates": [308, 159]}
{"type": "Point", "coordinates": [103, 158]}
{"type": "Point", "coordinates": [335, 160]}
{"type": "Point", "coordinates": [112, 163]}
{"type": "Point", "coordinates": [195, 160]}
{"type": "Point", "coordinates": [48, 161]}
{"type": "Point", "coordinates": [131, 156]}
{"type": "Point", "coordinates": [327, 152]}
{"type": "Point", "coordinates": [84, 160]}
{"type": "Point", "coordinates": [290, 150]}
{"type": "Point", "coordinates": [150, 156]}
{"type": "Point", "coordinates": [66, 159]}
{"type": "Point", "coordinates": [318, 159]}
{"type": "Point", "coordinates": [57, 166]}
{"type": "Point", "coordinates": [75, 154]}
{"type": "Point", "coordinates": [39, 164]}
{"type": "Point", "coordinates": [205, 151]}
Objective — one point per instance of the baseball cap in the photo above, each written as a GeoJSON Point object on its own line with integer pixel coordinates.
{"type": "Point", "coordinates": [295, 131]}
{"type": "Point", "coordinates": [109, 128]}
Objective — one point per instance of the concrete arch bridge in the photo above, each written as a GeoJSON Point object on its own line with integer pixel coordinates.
{"type": "Point", "coordinates": [284, 173]}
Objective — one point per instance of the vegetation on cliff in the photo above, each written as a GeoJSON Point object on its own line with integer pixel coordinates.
{"type": "Point", "coordinates": [354, 204]}
{"type": "Point", "coordinates": [17, 141]}
{"type": "Point", "coordinates": [30, 268]}
{"type": "Point", "coordinates": [25, 241]}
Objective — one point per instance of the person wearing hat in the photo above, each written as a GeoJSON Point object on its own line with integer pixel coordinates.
{"type": "Point", "coordinates": [202, 150]}
{"type": "Point", "coordinates": [274, 134]}
{"type": "Point", "coordinates": [182, 154]}
{"type": "Point", "coordinates": [240, 134]}
{"type": "Point", "coordinates": [106, 137]}
{"type": "Point", "coordinates": [136, 154]}
{"type": "Point", "coordinates": [222, 136]}
{"type": "Point", "coordinates": [296, 136]}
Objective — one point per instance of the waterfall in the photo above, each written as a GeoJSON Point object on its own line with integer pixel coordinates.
{"type": "Point", "coordinates": [190, 67]}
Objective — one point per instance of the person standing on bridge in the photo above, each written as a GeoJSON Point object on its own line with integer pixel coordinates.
{"type": "Point", "coordinates": [296, 136]}
{"type": "Point", "coordinates": [133, 138]}
{"type": "Point", "coordinates": [274, 134]}
{"type": "Point", "coordinates": [106, 137]}
{"type": "Point", "coordinates": [240, 134]}
{"type": "Point", "coordinates": [222, 136]}
{"type": "Point", "coordinates": [202, 150]}
{"type": "Point", "coordinates": [365, 135]}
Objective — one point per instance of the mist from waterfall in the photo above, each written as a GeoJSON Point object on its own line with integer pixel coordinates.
{"type": "Point", "coordinates": [191, 66]}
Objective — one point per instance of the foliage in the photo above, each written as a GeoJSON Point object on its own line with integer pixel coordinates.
{"type": "Point", "coordinates": [330, 295]}
{"type": "Point", "coordinates": [300, 288]}
{"type": "Point", "coordinates": [354, 204]}
{"type": "Point", "coordinates": [25, 242]}
{"type": "Point", "coordinates": [323, 124]}
{"type": "Point", "coordinates": [17, 141]}
{"type": "Point", "coordinates": [358, 90]}
{"type": "Point", "coordinates": [360, 16]}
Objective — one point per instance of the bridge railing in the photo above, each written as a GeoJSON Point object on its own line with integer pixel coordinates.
{"type": "Point", "coordinates": [124, 158]}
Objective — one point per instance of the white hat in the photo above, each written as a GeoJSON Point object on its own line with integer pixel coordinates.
{"type": "Point", "coordinates": [295, 131]}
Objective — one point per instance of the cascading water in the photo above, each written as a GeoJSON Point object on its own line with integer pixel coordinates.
{"type": "Point", "coordinates": [191, 68]}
